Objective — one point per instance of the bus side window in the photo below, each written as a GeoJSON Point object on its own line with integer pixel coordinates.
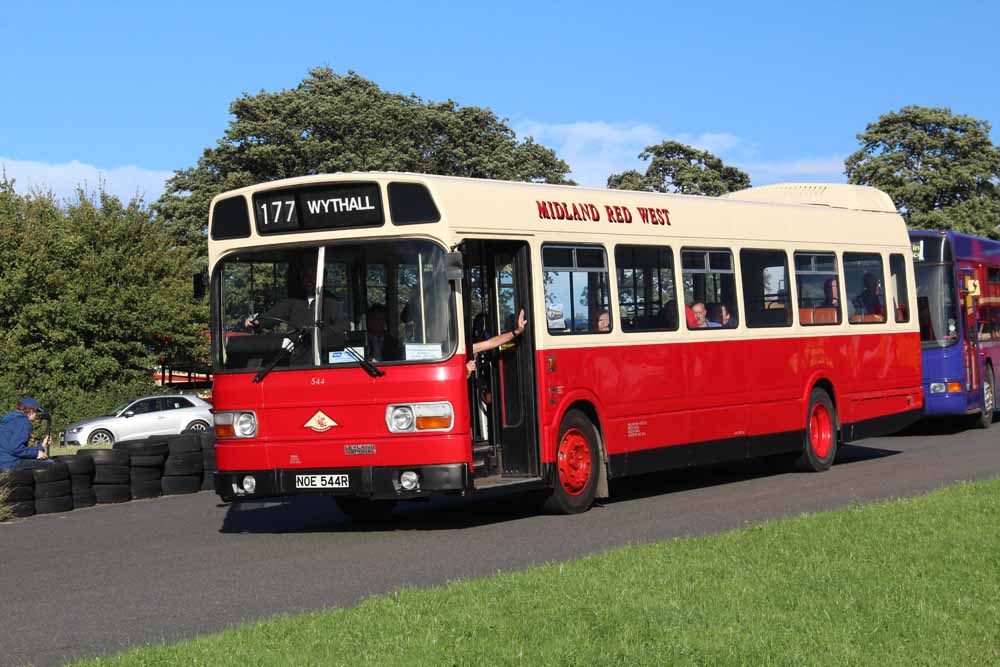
{"type": "Point", "coordinates": [865, 282]}
{"type": "Point", "coordinates": [577, 291]}
{"type": "Point", "coordinates": [709, 288]}
{"type": "Point", "coordinates": [818, 284]}
{"type": "Point", "coordinates": [766, 301]}
{"type": "Point", "coordinates": [647, 296]}
{"type": "Point", "coordinates": [901, 299]}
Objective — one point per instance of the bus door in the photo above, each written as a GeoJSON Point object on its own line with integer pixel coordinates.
{"type": "Point", "coordinates": [502, 400]}
{"type": "Point", "coordinates": [969, 295]}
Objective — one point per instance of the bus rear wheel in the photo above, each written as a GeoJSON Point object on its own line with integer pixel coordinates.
{"type": "Point", "coordinates": [577, 463]}
{"type": "Point", "coordinates": [820, 446]}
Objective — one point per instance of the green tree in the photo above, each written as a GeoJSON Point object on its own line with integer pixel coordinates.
{"type": "Point", "coordinates": [92, 294]}
{"type": "Point", "coordinates": [941, 169]}
{"type": "Point", "coordinates": [332, 123]}
{"type": "Point", "coordinates": [677, 167]}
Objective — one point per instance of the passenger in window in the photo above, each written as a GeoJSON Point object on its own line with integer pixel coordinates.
{"type": "Point", "coordinates": [831, 294]}
{"type": "Point", "coordinates": [720, 316]}
{"type": "Point", "coordinates": [689, 315]}
{"type": "Point", "coordinates": [700, 315]}
{"type": "Point", "coordinates": [604, 321]}
{"type": "Point", "coordinates": [382, 346]}
{"type": "Point", "coordinates": [869, 300]}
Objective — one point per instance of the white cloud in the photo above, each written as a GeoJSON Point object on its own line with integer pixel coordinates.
{"type": "Point", "coordinates": [824, 170]}
{"type": "Point", "coordinates": [63, 179]}
{"type": "Point", "coordinates": [595, 150]}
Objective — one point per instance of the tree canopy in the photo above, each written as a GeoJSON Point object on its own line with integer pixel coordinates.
{"type": "Point", "coordinates": [677, 167]}
{"type": "Point", "coordinates": [92, 293]}
{"type": "Point", "coordinates": [331, 123]}
{"type": "Point", "coordinates": [941, 169]}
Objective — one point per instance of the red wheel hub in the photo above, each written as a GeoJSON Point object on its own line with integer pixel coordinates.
{"type": "Point", "coordinates": [573, 460]}
{"type": "Point", "coordinates": [820, 431]}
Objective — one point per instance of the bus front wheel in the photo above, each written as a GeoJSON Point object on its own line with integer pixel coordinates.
{"type": "Point", "coordinates": [820, 446]}
{"type": "Point", "coordinates": [985, 418]}
{"type": "Point", "coordinates": [577, 463]}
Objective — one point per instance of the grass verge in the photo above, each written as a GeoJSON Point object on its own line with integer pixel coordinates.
{"type": "Point", "coordinates": [908, 582]}
{"type": "Point", "coordinates": [5, 510]}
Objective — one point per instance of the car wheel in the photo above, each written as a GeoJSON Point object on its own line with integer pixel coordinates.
{"type": "Point", "coordinates": [197, 425]}
{"type": "Point", "coordinates": [101, 438]}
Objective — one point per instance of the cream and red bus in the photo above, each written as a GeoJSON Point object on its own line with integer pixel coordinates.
{"type": "Point", "coordinates": [663, 331]}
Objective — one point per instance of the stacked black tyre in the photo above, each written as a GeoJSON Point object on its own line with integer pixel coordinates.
{"type": "Point", "coordinates": [81, 475]}
{"type": "Point", "coordinates": [208, 457]}
{"type": "Point", "coordinates": [111, 474]}
{"type": "Point", "coordinates": [184, 469]}
{"type": "Point", "coordinates": [20, 487]}
{"type": "Point", "coordinates": [53, 488]}
{"type": "Point", "coordinates": [147, 458]}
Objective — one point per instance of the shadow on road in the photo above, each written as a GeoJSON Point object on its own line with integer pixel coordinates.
{"type": "Point", "coordinates": [934, 426]}
{"type": "Point", "coordinates": [313, 514]}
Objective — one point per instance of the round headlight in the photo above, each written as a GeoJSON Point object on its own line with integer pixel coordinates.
{"type": "Point", "coordinates": [402, 418]}
{"type": "Point", "coordinates": [249, 484]}
{"type": "Point", "coordinates": [409, 480]}
{"type": "Point", "coordinates": [246, 424]}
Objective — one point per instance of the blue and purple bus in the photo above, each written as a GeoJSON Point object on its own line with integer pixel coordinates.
{"type": "Point", "coordinates": [958, 304]}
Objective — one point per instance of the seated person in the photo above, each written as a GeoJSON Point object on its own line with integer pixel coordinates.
{"type": "Point", "coordinates": [831, 294]}
{"type": "Point", "coordinates": [603, 321]}
{"type": "Point", "coordinates": [720, 316]}
{"type": "Point", "coordinates": [382, 346]}
{"type": "Point", "coordinates": [701, 317]}
{"type": "Point", "coordinates": [869, 300]}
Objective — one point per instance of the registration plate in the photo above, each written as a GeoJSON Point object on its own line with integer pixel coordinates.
{"type": "Point", "coordinates": [322, 481]}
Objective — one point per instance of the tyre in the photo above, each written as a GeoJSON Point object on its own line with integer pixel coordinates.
{"type": "Point", "coordinates": [23, 509]}
{"type": "Point", "coordinates": [102, 437]}
{"type": "Point", "coordinates": [110, 474]}
{"type": "Point", "coordinates": [78, 465]}
{"type": "Point", "coordinates": [21, 477]}
{"type": "Point", "coordinates": [53, 505]}
{"type": "Point", "coordinates": [985, 418]}
{"type": "Point", "coordinates": [820, 446]}
{"type": "Point", "coordinates": [57, 489]}
{"type": "Point", "coordinates": [147, 448]}
{"type": "Point", "coordinates": [183, 443]}
{"type": "Point", "coordinates": [146, 489]}
{"type": "Point", "coordinates": [85, 499]}
{"type": "Point", "coordinates": [20, 494]}
{"type": "Point", "coordinates": [577, 461]}
{"type": "Point", "coordinates": [114, 457]}
{"type": "Point", "coordinates": [145, 475]}
{"type": "Point", "coordinates": [149, 461]}
{"type": "Point", "coordinates": [364, 510]}
{"type": "Point", "coordinates": [189, 463]}
{"type": "Point", "coordinates": [197, 426]}
{"type": "Point", "coordinates": [208, 480]}
{"type": "Point", "coordinates": [111, 493]}
{"type": "Point", "coordinates": [180, 484]}
{"type": "Point", "coordinates": [207, 441]}
{"type": "Point", "coordinates": [81, 483]}
{"type": "Point", "coordinates": [52, 472]}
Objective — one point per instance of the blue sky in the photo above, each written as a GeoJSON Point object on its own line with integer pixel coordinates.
{"type": "Point", "coordinates": [126, 94]}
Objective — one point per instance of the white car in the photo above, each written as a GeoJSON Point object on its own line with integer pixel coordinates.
{"type": "Point", "coordinates": [141, 418]}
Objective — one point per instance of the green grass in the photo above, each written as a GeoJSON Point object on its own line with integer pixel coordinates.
{"type": "Point", "coordinates": [908, 582]}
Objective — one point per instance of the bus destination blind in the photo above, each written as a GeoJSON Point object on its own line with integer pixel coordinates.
{"type": "Point", "coordinates": [328, 207]}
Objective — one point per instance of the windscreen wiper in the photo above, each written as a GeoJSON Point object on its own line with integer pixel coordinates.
{"type": "Point", "coordinates": [369, 367]}
{"type": "Point", "coordinates": [286, 349]}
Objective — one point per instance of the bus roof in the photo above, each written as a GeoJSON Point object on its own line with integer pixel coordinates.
{"type": "Point", "coordinates": [845, 215]}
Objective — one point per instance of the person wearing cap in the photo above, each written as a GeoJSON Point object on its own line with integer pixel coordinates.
{"type": "Point", "coordinates": [15, 430]}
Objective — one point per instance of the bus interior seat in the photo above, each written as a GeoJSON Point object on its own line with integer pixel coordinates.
{"type": "Point", "coordinates": [807, 315]}
{"type": "Point", "coordinates": [827, 315]}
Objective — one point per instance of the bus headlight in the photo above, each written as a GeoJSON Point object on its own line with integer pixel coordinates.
{"type": "Point", "coordinates": [411, 417]}
{"type": "Point", "coordinates": [236, 424]}
{"type": "Point", "coordinates": [937, 387]}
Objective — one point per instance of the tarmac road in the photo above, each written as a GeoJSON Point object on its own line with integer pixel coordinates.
{"type": "Point", "coordinates": [98, 580]}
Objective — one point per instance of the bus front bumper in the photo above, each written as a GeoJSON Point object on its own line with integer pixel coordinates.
{"type": "Point", "coordinates": [368, 482]}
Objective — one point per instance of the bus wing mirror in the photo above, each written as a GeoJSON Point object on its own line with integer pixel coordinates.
{"type": "Point", "coordinates": [200, 285]}
{"type": "Point", "coordinates": [454, 267]}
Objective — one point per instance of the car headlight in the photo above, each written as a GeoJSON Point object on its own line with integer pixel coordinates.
{"type": "Point", "coordinates": [411, 417]}
{"type": "Point", "coordinates": [75, 429]}
{"type": "Point", "coordinates": [235, 424]}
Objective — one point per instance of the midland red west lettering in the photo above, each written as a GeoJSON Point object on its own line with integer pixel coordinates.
{"type": "Point", "coordinates": [618, 214]}
{"type": "Point", "coordinates": [557, 210]}
{"type": "Point", "coordinates": [654, 216]}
